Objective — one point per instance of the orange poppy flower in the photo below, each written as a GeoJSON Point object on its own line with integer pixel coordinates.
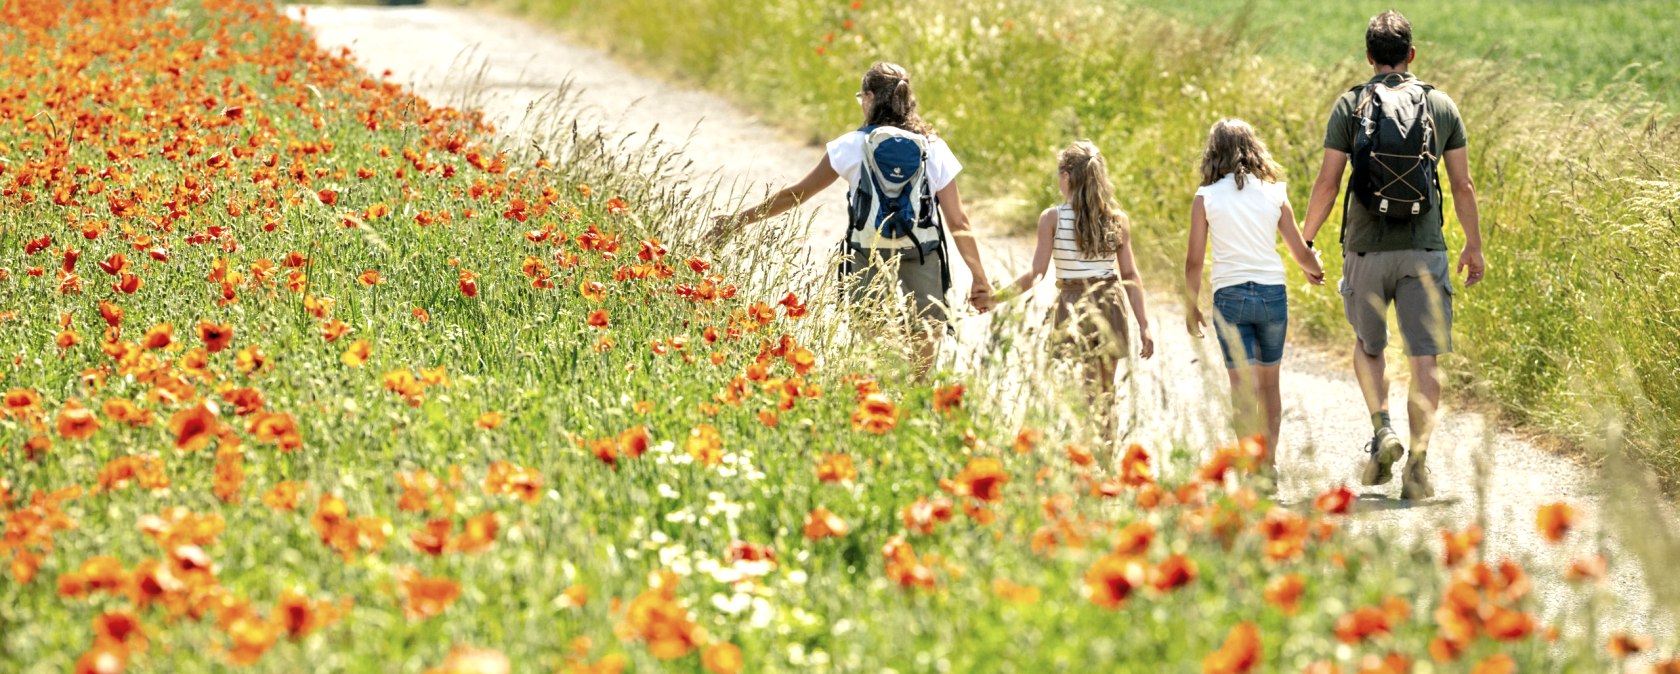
{"type": "Point", "coordinates": [820, 524]}
{"type": "Point", "coordinates": [112, 313]}
{"type": "Point", "coordinates": [634, 441]}
{"type": "Point", "coordinates": [1362, 623]}
{"type": "Point", "coordinates": [875, 414]}
{"type": "Point", "coordinates": [1554, 521]}
{"type": "Point", "coordinates": [948, 398]}
{"type": "Point", "coordinates": [334, 329]}
{"type": "Point", "coordinates": [76, 422]}
{"type": "Point", "coordinates": [159, 336]}
{"type": "Point", "coordinates": [921, 516]}
{"type": "Point", "coordinates": [468, 283]}
{"type": "Point", "coordinates": [1498, 663]}
{"type": "Point", "coordinates": [103, 658]}
{"type": "Point", "coordinates": [284, 496]}
{"type": "Point", "coordinates": [1134, 539]}
{"type": "Point", "coordinates": [1014, 593]}
{"type": "Point", "coordinates": [1337, 501]}
{"type": "Point", "coordinates": [1238, 655]}
{"type": "Point", "coordinates": [1622, 645]}
{"type": "Point", "coordinates": [598, 319]}
{"type": "Point", "coordinates": [216, 336]}
{"type": "Point", "coordinates": [722, 658]}
{"type": "Point", "coordinates": [1112, 578]}
{"type": "Point", "coordinates": [836, 468]}
{"type": "Point", "coordinates": [983, 479]}
{"type": "Point", "coordinates": [1026, 439]}
{"type": "Point", "coordinates": [801, 360]}
{"type": "Point", "coordinates": [250, 638]}
{"type": "Point", "coordinates": [194, 427]}
{"type": "Point", "coordinates": [1172, 573]}
{"type": "Point", "coordinates": [250, 360]}
{"type": "Point", "coordinates": [1591, 567]}
{"type": "Point", "coordinates": [120, 628]}
{"type": "Point", "coordinates": [358, 353]}
{"type": "Point", "coordinates": [1456, 546]}
{"type": "Point", "coordinates": [705, 445]}
{"type": "Point", "coordinates": [1285, 592]}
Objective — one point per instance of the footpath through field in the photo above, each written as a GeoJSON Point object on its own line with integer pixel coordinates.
{"type": "Point", "coordinates": [510, 69]}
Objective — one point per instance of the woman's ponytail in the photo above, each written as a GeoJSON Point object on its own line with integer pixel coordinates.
{"type": "Point", "coordinates": [895, 103]}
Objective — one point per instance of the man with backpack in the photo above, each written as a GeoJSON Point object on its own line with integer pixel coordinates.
{"type": "Point", "coordinates": [1394, 130]}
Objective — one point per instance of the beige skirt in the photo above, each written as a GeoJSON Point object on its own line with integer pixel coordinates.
{"type": "Point", "coordinates": [1090, 319]}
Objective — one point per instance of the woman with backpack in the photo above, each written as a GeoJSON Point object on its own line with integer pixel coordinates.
{"type": "Point", "coordinates": [1242, 208]}
{"type": "Point", "coordinates": [1089, 239]}
{"type": "Point", "coordinates": [903, 205]}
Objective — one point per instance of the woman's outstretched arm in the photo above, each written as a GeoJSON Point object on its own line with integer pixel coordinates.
{"type": "Point", "coordinates": [820, 177]}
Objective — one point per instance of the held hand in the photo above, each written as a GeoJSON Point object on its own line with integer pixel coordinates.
{"type": "Point", "coordinates": [1146, 344]}
{"type": "Point", "coordinates": [1316, 277]}
{"type": "Point", "coordinates": [1195, 323]}
{"type": "Point", "coordinates": [721, 224]}
{"type": "Point", "coordinates": [981, 298]}
{"type": "Point", "coordinates": [1471, 261]}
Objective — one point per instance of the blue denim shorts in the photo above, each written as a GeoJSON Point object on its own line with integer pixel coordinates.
{"type": "Point", "coordinates": [1252, 321]}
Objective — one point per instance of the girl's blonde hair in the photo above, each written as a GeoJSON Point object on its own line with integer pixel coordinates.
{"type": "Point", "coordinates": [1099, 226]}
{"type": "Point", "coordinates": [1234, 148]}
{"type": "Point", "coordinates": [895, 105]}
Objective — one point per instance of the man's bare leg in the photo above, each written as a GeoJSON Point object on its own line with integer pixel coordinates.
{"type": "Point", "coordinates": [1370, 370]}
{"type": "Point", "coordinates": [1422, 407]}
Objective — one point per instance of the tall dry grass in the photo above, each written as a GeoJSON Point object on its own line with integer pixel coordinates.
{"type": "Point", "coordinates": [1578, 196]}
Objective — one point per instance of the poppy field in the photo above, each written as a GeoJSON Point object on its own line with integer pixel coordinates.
{"type": "Point", "coordinates": [303, 372]}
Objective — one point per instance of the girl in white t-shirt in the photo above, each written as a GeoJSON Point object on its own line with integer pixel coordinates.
{"type": "Point", "coordinates": [885, 99]}
{"type": "Point", "coordinates": [1241, 209]}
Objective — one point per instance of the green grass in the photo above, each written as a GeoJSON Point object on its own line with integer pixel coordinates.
{"type": "Point", "coordinates": [1575, 323]}
{"type": "Point", "coordinates": [153, 88]}
{"type": "Point", "coordinates": [1571, 48]}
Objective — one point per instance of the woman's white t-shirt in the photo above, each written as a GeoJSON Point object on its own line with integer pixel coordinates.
{"type": "Point", "coordinates": [845, 155]}
{"type": "Point", "coordinates": [1243, 230]}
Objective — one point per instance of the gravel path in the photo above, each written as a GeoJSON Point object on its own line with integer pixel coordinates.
{"type": "Point", "coordinates": [507, 68]}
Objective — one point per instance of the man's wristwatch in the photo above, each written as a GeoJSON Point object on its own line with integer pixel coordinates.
{"type": "Point", "coordinates": [1309, 243]}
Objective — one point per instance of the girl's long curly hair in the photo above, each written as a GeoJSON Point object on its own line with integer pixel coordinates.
{"type": "Point", "coordinates": [1233, 147]}
{"type": "Point", "coordinates": [1099, 226]}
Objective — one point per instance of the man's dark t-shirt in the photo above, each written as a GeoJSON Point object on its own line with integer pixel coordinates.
{"type": "Point", "coordinates": [1362, 233]}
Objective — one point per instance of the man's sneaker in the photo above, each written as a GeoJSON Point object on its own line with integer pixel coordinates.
{"type": "Point", "coordinates": [1415, 485]}
{"type": "Point", "coordinates": [1385, 449]}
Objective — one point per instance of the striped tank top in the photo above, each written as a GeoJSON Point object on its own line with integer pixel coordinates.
{"type": "Point", "coordinates": [1070, 264]}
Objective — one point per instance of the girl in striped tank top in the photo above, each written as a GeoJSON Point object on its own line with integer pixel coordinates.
{"type": "Point", "coordinates": [1088, 239]}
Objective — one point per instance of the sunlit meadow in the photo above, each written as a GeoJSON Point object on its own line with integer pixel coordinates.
{"type": "Point", "coordinates": [303, 372]}
{"type": "Point", "coordinates": [1572, 156]}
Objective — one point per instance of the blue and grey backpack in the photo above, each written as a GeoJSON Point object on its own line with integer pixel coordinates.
{"type": "Point", "coordinates": [894, 199]}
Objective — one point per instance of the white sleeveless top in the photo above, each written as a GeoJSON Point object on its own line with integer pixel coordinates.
{"type": "Point", "coordinates": [1243, 230]}
{"type": "Point", "coordinates": [1070, 264]}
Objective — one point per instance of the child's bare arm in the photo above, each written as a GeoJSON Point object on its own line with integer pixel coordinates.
{"type": "Point", "coordinates": [1041, 255]}
{"type": "Point", "coordinates": [1298, 247]}
{"type": "Point", "coordinates": [1134, 294]}
{"type": "Point", "coordinates": [1195, 257]}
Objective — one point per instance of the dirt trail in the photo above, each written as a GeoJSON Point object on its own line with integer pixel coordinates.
{"type": "Point", "coordinates": [505, 66]}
